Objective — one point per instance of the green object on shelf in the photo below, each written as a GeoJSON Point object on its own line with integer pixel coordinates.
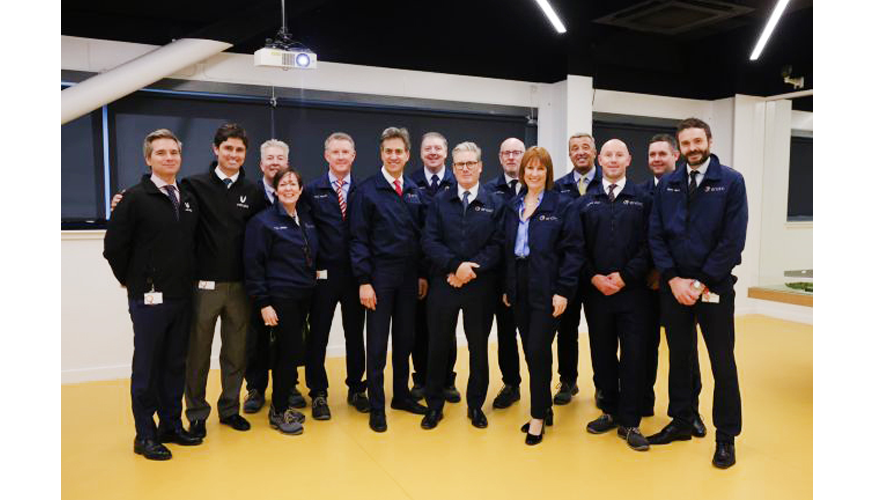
{"type": "Point", "coordinates": [805, 286]}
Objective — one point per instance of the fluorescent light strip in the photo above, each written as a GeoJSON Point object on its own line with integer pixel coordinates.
{"type": "Point", "coordinates": [770, 27]}
{"type": "Point", "coordinates": [551, 15]}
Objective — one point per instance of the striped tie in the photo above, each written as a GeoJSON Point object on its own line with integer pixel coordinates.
{"type": "Point", "coordinates": [171, 193]}
{"type": "Point", "coordinates": [340, 199]}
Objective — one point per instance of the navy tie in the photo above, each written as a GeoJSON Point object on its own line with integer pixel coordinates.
{"type": "Point", "coordinates": [513, 184]}
{"type": "Point", "coordinates": [228, 183]}
{"type": "Point", "coordinates": [435, 181]}
{"type": "Point", "coordinates": [171, 193]}
{"type": "Point", "coordinates": [465, 196]}
{"type": "Point", "coordinates": [611, 192]}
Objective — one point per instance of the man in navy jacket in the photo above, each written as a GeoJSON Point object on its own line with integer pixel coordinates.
{"type": "Point", "coordinates": [585, 177]}
{"type": "Point", "coordinates": [433, 179]}
{"type": "Point", "coordinates": [462, 240]}
{"type": "Point", "coordinates": [328, 197]}
{"type": "Point", "coordinates": [697, 232]}
{"type": "Point", "coordinates": [662, 156]}
{"type": "Point", "coordinates": [614, 218]}
{"type": "Point", "coordinates": [386, 221]}
{"type": "Point", "coordinates": [149, 245]}
{"type": "Point", "coordinates": [507, 185]}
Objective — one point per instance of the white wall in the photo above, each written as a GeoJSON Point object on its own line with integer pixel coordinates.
{"type": "Point", "coordinates": [96, 330]}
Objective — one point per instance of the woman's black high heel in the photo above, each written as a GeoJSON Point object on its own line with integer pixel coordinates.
{"type": "Point", "coordinates": [533, 439]}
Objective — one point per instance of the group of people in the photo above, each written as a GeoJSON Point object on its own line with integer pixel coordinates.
{"type": "Point", "coordinates": [274, 258]}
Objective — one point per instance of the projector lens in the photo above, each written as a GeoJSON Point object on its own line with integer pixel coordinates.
{"type": "Point", "coordinates": [302, 60]}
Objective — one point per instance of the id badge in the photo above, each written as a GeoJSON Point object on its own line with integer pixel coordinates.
{"type": "Point", "coordinates": [322, 275]}
{"type": "Point", "coordinates": [710, 298]}
{"type": "Point", "coordinates": [206, 285]}
{"type": "Point", "coordinates": [153, 298]}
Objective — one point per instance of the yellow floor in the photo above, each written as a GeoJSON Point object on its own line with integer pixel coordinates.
{"type": "Point", "coordinates": [342, 458]}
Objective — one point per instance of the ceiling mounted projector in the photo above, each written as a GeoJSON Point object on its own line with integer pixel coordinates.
{"type": "Point", "coordinates": [286, 59]}
{"type": "Point", "coordinates": [284, 52]}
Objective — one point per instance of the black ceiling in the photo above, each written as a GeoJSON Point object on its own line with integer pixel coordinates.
{"type": "Point", "coordinates": [509, 39]}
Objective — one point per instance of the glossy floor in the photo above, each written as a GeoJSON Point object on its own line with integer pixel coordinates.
{"type": "Point", "coordinates": [342, 458]}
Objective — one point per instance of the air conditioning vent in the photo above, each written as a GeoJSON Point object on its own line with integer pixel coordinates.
{"type": "Point", "coordinates": [673, 17]}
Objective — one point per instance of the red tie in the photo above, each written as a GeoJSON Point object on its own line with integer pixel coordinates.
{"type": "Point", "coordinates": [342, 203]}
{"type": "Point", "coordinates": [398, 186]}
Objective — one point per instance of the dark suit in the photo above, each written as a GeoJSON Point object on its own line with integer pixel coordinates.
{"type": "Point", "coordinates": [651, 352]}
{"type": "Point", "coordinates": [700, 235]}
{"type": "Point", "coordinates": [551, 268]}
{"type": "Point", "coordinates": [421, 336]}
{"type": "Point", "coordinates": [150, 248]}
{"type": "Point", "coordinates": [385, 252]}
{"type": "Point", "coordinates": [454, 235]}
{"type": "Point", "coordinates": [568, 333]}
{"type": "Point", "coordinates": [340, 286]}
{"type": "Point", "coordinates": [508, 352]}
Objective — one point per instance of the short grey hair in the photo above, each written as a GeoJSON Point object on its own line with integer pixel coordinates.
{"type": "Point", "coordinates": [436, 135]}
{"type": "Point", "coordinates": [274, 143]}
{"type": "Point", "coordinates": [582, 135]}
{"type": "Point", "coordinates": [467, 146]}
{"type": "Point", "coordinates": [339, 136]}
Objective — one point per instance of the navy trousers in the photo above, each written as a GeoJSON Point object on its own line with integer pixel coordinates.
{"type": "Point", "coordinates": [158, 368]}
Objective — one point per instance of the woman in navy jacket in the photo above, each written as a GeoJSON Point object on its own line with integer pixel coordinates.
{"type": "Point", "coordinates": [543, 258]}
{"type": "Point", "coordinates": [280, 263]}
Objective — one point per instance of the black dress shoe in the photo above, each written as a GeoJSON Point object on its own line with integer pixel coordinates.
{"type": "Point", "coordinates": [478, 418]}
{"type": "Point", "coordinates": [151, 449]}
{"type": "Point", "coordinates": [236, 422]}
{"type": "Point", "coordinates": [671, 432]}
{"type": "Point", "coordinates": [198, 428]}
{"type": "Point", "coordinates": [699, 429]}
{"type": "Point", "coordinates": [451, 394]}
{"type": "Point", "coordinates": [724, 456]}
{"type": "Point", "coordinates": [410, 406]}
{"type": "Point", "coordinates": [377, 421]}
{"type": "Point", "coordinates": [431, 419]}
{"type": "Point", "coordinates": [566, 392]}
{"type": "Point", "coordinates": [533, 439]}
{"type": "Point", "coordinates": [296, 399]}
{"type": "Point", "coordinates": [360, 401]}
{"type": "Point", "coordinates": [506, 397]}
{"type": "Point", "coordinates": [417, 392]}
{"type": "Point", "coordinates": [179, 436]}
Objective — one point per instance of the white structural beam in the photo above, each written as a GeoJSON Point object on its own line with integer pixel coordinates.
{"type": "Point", "coordinates": [135, 74]}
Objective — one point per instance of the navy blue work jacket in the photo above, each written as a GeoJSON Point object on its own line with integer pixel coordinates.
{"type": "Point", "coordinates": [499, 185]}
{"type": "Point", "coordinates": [334, 232]}
{"type": "Point", "coordinates": [702, 239]}
{"type": "Point", "coordinates": [615, 236]}
{"type": "Point", "coordinates": [566, 186]}
{"type": "Point", "coordinates": [385, 228]}
{"type": "Point", "coordinates": [279, 258]}
{"type": "Point", "coordinates": [453, 235]}
{"type": "Point", "coordinates": [555, 249]}
{"type": "Point", "coordinates": [448, 183]}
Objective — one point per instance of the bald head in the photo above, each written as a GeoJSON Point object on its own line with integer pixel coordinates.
{"type": "Point", "coordinates": [509, 154]}
{"type": "Point", "coordinates": [614, 159]}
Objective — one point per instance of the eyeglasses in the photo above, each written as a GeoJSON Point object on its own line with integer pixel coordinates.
{"type": "Point", "coordinates": [511, 153]}
{"type": "Point", "coordinates": [466, 165]}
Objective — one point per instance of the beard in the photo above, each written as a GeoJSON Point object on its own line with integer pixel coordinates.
{"type": "Point", "coordinates": [705, 154]}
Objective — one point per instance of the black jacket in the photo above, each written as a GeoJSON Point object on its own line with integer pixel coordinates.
{"type": "Point", "coordinates": [223, 217]}
{"type": "Point", "coordinates": [146, 245]}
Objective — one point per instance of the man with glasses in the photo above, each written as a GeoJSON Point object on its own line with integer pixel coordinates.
{"type": "Point", "coordinates": [507, 185]}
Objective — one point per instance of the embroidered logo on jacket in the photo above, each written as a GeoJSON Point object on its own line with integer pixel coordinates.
{"type": "Point", "coordinates": [548, 217]}
{"type": "Point", "coordinates": [242, 203]}
{"type": "Point", "coordinates": [710, 189]}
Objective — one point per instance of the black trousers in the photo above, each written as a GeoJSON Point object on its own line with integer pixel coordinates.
{"type": "Point", "coordinates": [340, 287]}
{"type": "Point", "coordinates": [421, 339]}
{"type": "Point", "coordinates": [288, 347]}
{"type": "Point", "coordinates": [651, 357]}
{"type": "Point", "coordinates": [567, 340]}
{"type": "Point", "coordinates": [508, 353]}
{"type": "Point", "coordinates": [258, 350]}
{"type": "Point", "coordinates": [619, 320]}
{"type": "Point", "coordinates": [158, 367]}
{"type": "Point", "coordinates": [718, 329]}
{"type": "Point", "coordinates": [537, 327]}
{"type": "Point", "coordinates": [444, 303]}
{"type": "Point", "coordinates": [396, 303]}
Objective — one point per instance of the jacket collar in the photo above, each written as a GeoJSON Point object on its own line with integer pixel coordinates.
{"type": "Point", "coordinates": [714, 173]}
{"type": "Point", "coordinates": [212, 172]}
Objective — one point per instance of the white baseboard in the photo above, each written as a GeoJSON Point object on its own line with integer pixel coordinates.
{"type": "Point", "coordinates": [789, 312]}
